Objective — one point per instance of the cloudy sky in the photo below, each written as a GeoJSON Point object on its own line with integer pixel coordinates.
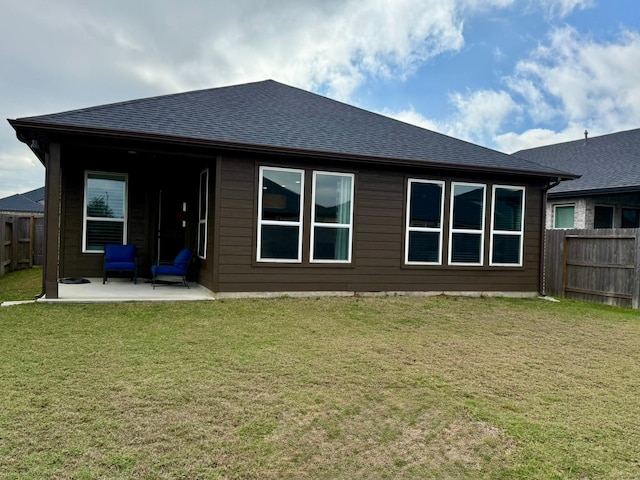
{"type": "Point", "coordinates": [506, 74]}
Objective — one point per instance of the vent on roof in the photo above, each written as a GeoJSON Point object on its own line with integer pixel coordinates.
{"type": "Point", "coordinates": [586, 134]}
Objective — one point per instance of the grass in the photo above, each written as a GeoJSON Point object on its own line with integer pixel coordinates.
{"type": "Point", "coordinates": [330, 388]}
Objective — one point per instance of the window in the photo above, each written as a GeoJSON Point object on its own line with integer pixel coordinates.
{"type": "Point", "coordinates": [630, 218]}
{"type": "Point", "coordinates": [280, 204]}
{"type": "Point", "coordinates": [203, 203]}
{"type": "Point", "coordinates": [425, 208]}
{"type": "Point", "coordinates": [466, 236]}
{"type": "Point", "coordinates": [563, 216]}
{"type": "Point", "coordinates": [331, 217]}
{"type": "Point", "coordinates": [105, 209]}
{"type": "Point", "coordinates": [603, 216]}
{"type": "Point", "coordinates": [507, 226]}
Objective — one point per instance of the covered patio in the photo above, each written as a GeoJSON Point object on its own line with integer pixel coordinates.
{"type": "Point", "coordinates": [92, 290]}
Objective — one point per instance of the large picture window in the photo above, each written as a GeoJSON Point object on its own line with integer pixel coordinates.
{"type": "Point", "coordinates": [425, 208]}
{"type": "Point", "coordinates": [466, 235]}
{"type": "Point", "coordinates": [203, 205]}
{"type": "Point", "coordinates": [280, 204]}
{"type": "Point", "coordinates": [105, 210]}
{"type": "Point", "coordinates": [331, 217]}
{"type": "Point", "coordinates": [507, 226]}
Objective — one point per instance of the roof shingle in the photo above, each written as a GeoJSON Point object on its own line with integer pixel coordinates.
{"type": "Point", "coordinates": [274, 116]}
{"type": "Point", "coordinates": [606, 163]}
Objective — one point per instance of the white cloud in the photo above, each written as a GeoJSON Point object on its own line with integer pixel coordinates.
{"type": "Point", "coordinates": [562, 8]}
{"type": "Point", "coordinates": [411, 116]}
{"type": "Point", "coordinates": [331, 46]}
{"type": "Point", "coordinates": [512, 142]}
{"type": "Point", "coordinates": [566, 85]}
{"type": "Point", "coordinates": [479, 115]}
{"type": "Point", "coordinates": [574, 80]}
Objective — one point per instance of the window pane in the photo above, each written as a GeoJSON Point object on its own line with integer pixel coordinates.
{"type": "Point", "coordinates": [508, 210]}
{"type": "Point", "coordinates": [105, 196]}
{"type": "Point", "coordinates": [564, 216]}
{"type": "Point", "coordinates": [279, 242]}
{"type": "Point", "coordinates": [331, 243]}
{"type": "Point", "coordinates": [603, 217]}
{"type": "Point", "coordinates": [99, 233]}
{"type": "Point", "coordinates": [203, 195]}
{"type": "Point", "coordinates": [424, 247]}
{"type": "Point", "coordinates": [630, 218]}
{"type": "Point", "coordinates": [506, 249]}
{"type": "Point", "coordinates": [281, 195]}
{"type": "Point", "coordinates": [465, 248]}
{"type": "Point", "coordinates": [426, 201]}
{"type": "Point", "coordinates": [202, 235]}
{"type": "Point", "coordinates": [332, 199]}
{"type": "Point", "coordinates": [468, 207]}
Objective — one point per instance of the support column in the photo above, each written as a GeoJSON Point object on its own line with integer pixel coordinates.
{"type": "Point", "coordinates": [52, 221]}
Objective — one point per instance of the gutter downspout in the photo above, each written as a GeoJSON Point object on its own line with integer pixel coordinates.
{"type": "Point", "coordinates": [543, 234]}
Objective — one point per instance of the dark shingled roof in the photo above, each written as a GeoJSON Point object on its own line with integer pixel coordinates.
{"type": "Point", "coordinates": [271, 116]}
{"type": "Point", "coordinates": [607, 164]}
{"type": "Point", "coordinates": [30, 202]}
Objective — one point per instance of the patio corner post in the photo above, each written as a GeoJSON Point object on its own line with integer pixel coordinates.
{"type": "Point", "coordinates": [52, 220]}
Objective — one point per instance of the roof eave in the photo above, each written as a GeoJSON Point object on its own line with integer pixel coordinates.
{"type": "Point", "coordinates": [22, 124]}
{"type": "Point", "coordinates": [594, 192]}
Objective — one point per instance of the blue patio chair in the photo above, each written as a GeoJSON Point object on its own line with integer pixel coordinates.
{"type": "Point", "coordinates": [178, 268]}
{"type": "Point", "coordinates": [120, 258]}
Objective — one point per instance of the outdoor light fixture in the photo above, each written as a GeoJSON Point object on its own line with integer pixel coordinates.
{"type": "Point", "coordinates": [34, 144]}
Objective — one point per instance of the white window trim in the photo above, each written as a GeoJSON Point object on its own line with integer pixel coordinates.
{"type": "Point", "coordinates": [262, 222]}
{"type": "Point", "coordinates": [480, 232]}
{"type": "Point", "coordinates": [86, 218]}
{"type": "Point", "coordinates": [331, 225]}
{"type": "Point", "coordinates": [203, 216]}
{"type": "Point", "coordinates": [507, 232]}
{"type": "Point", "coordinates": [560, 205]}
{"type": "Point", "coordinates": [409, 228]}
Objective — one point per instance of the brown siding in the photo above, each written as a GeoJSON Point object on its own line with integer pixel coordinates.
{"type": "Point", "coordinates": [378, 239]}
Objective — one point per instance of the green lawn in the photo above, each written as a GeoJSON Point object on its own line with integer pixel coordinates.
{"type": "Point", "coordinates": [323, 388]}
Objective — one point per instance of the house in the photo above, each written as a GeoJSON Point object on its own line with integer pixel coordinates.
{"type": "Point", "coordinates": [281, 190]}
{"type": "Point", "coordinates": [607, 194]}
{"type": "Point", "coordinates": [29, 203]}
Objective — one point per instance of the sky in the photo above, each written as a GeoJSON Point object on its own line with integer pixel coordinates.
{"type": "Point", "coordinates": [504, 74]}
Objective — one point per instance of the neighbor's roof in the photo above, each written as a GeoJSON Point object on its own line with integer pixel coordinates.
{"type": "Point", "coordinates": [271, 116]}
{"type": "Point", "coordinates": [29, 202]}
{"type": "Point", "coordinates": [607, 164]}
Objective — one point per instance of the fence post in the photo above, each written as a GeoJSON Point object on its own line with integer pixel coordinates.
{"type": "Point", "coordinates": [565, 255]}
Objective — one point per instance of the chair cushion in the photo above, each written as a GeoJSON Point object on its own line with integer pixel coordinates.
{"type": "Point", "coordinates": [120, 265]}
{"type": "Point", "coordinates": [168, 270]}
{"type": "Point", "coordinates": [183, 257]}
{"type": "Point", "coordinates": [119, 253]}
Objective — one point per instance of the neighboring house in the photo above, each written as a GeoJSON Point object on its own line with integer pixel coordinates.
{"type": "Point", "coordinates": [282, 190]}
{"type": "Point", "coordinates": [607, 194]}
{"type": "Point", "coordinates": [29, 203]}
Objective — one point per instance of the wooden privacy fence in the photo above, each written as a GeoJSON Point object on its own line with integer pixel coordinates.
{"type": "Point", "coordinates": [601, 265]}
{"type": "Point", "coordinates": [22, 242]}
